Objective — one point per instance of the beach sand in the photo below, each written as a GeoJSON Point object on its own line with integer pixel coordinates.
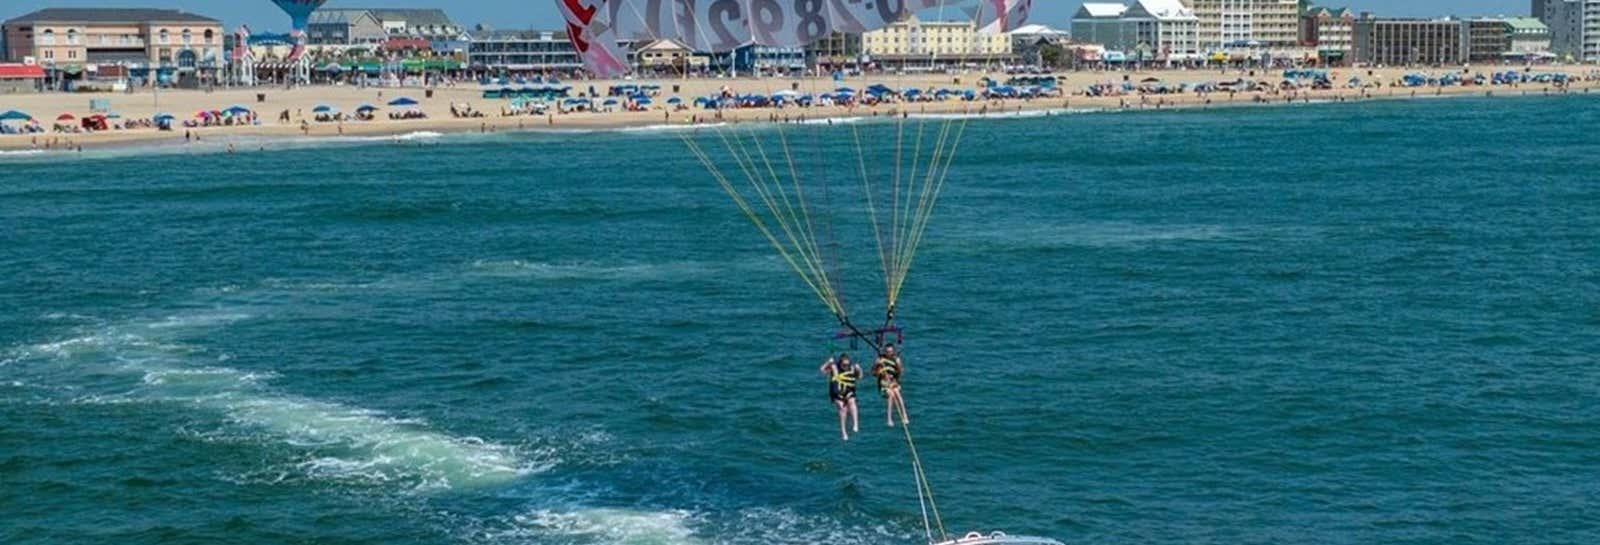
{"type": "Point", "coordinates": [300, 102]}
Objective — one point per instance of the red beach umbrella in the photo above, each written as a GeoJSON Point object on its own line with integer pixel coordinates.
{"type": "Point", "coordinates": [65, 117]}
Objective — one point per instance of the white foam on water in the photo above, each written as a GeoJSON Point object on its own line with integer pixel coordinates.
{"type": "Point", "coordinates": [144, 362]}
{"type": "Point", "coordinates": [609, 526]}
{"type": "Point", "coordinates": [374, 447]}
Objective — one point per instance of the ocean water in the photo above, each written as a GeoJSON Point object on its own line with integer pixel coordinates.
{"type": "Point", "coordinates": [1354, 323]}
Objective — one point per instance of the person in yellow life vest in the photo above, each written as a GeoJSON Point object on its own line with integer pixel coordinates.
{"type": "Point", "coordinates": [842, 376]}
{"type": "Point", "coordinates": [889, 368]}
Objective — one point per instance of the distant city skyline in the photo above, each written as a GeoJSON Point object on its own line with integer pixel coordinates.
{"type": "Point", "coordinates": [261, 15]}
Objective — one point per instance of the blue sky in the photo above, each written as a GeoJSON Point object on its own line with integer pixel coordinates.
{"type": "Point", "coordinates": [262, 15]}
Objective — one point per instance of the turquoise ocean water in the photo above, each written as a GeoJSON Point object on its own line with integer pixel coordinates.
{"type": "Point", "coordinates": [1358, 323]}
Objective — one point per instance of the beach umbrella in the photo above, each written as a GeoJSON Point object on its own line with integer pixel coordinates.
{"type": "Point", "coordinates": [403, 101]}
{"type": "Point", "coordinates": [163, 117]}
{"type": "Point", "coordinates": [236, 110]}
{"type": "Point", "coordinates": [15, 115]}
{"type": "Point", "coordinates": [65, 117]}
{"type": "Point", "coordinates": [609, 102]}
{"type": "Point", "coordinates": [643, 102]}
{"type": "Point", "coordinates": [324, 109]}
{"type": "Point", "coordinates": [366, 108]}
{"type": "Point", "coordinates": [673, 101]}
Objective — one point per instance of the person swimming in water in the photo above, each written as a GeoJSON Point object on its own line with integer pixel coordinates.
{"type": "Point", "coordinates": [888, 369]}
{"type": "Point", "coordinates": [842, 375]}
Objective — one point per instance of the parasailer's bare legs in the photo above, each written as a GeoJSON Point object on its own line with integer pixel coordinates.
{"type": "Point", "coordinates": [844, 412]}
{"type": "Point", "coordinates": [849, 413]}
{"type": "Point", "coordinates": [855, 416]}
{"type": "Point", "coordinates": [894, 400]}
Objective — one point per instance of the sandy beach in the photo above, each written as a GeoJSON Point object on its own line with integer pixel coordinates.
{"type": "Point", "coordinates": [299, 102]}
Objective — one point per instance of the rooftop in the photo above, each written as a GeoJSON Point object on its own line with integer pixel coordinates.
{"type": "Point", "coordinates": [111, 15]}
{"type": "Point", "coordinates": [1166, 9]}
{"type": "Point", "coordinates": [1528, 24]}
{"type": "Point", "coordinates": [1101, 10]}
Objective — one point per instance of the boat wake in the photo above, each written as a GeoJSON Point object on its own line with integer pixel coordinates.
{"type": "Point", "coordinates": [149, 362]}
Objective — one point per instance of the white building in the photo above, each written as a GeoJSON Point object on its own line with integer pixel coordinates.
{"type": "Point", "coordinates": [1148, 30]}
{"type": "Point", "coordinates": [1166, 28]}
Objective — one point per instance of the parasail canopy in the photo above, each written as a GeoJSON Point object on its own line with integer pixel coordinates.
{"type": "Point", "coordinates": [717, 26]}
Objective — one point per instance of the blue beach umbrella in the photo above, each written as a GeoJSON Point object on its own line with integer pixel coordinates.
{"type": "Point", "coordinates": [403, 101]}
{"type": "Point", "coordinates": [674, 101]}
{"type": "Point", "coordinates": [163, 116]}
{"type": "Point", "coordinates": [15, 115]}
{"type": "Point", "coordinates": [324, 109]}
{"type": "Point", "coordinates": [237, 110]}
{"type": "Point", "coordinates": [366, 108]}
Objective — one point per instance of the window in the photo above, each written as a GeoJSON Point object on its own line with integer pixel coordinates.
{"type": "Point", "coordinates": [188, 37]}
{"type": "Point", "coordinates": [165, 37]}
{"type": "Point", "coordinates": [210, 35]}
{"type": "Point", "coordinates": [48, 37]}
{"type": "Point", "coordinates": [72, 53]}
{"type": "Point", "coordinates": [72, 36]}
{"type": "Point", "coordinates": [49, 53]}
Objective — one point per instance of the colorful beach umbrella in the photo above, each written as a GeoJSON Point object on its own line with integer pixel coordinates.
{"type": "Point", "coordinates": [15, 115]}
{"type": "Point", "coordinates": [65, 117]}
{"type": "Point", "coordinates": [403, 101]}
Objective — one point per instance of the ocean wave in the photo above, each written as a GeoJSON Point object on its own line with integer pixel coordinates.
{"type": "Point", "coordinates": [1101, 235]}
{"type": "Point", "coordinates": [517, 268]}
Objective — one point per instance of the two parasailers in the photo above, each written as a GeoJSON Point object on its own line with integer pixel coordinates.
{"type": "Point", "coordinates": [843, 373]}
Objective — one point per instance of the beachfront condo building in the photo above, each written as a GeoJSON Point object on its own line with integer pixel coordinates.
{"type": "Point", "coordinates": [521, 51]}
{"type": "Point", "coordinates": [1101, 23]}
{"type": "Point", "coordinates": [351, 26]}
{"type": "Point", "coordinates": [1253, 24]}
{"type": "Point", "coordinates": [1591, 31]}
{"type": "Point", "coordinates": [1488, 40]}
{"type": "Point", "coordinates": [1574, 27]}
{"type": "Point", "coordinates": [1411, 42]}
{"type": "Point", "coordinates": [1163, 31]}
{"type": "Point", "coordinates": [1529, 37]}
{"type": "Point", "coordinates": [75, 44]}
{"type": "Point", "coordinates": [916, 44]}
{"type": "Point", "coordinates": [1331, 31]}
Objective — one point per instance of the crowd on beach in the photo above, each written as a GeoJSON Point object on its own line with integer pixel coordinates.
{"type": "Point", "coordinates": [549, 98]}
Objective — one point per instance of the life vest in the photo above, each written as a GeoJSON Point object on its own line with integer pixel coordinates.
{"type": "Point", "coordinates": [889, 367]}
{"type": "Point", "coordinates": [845, 379]}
